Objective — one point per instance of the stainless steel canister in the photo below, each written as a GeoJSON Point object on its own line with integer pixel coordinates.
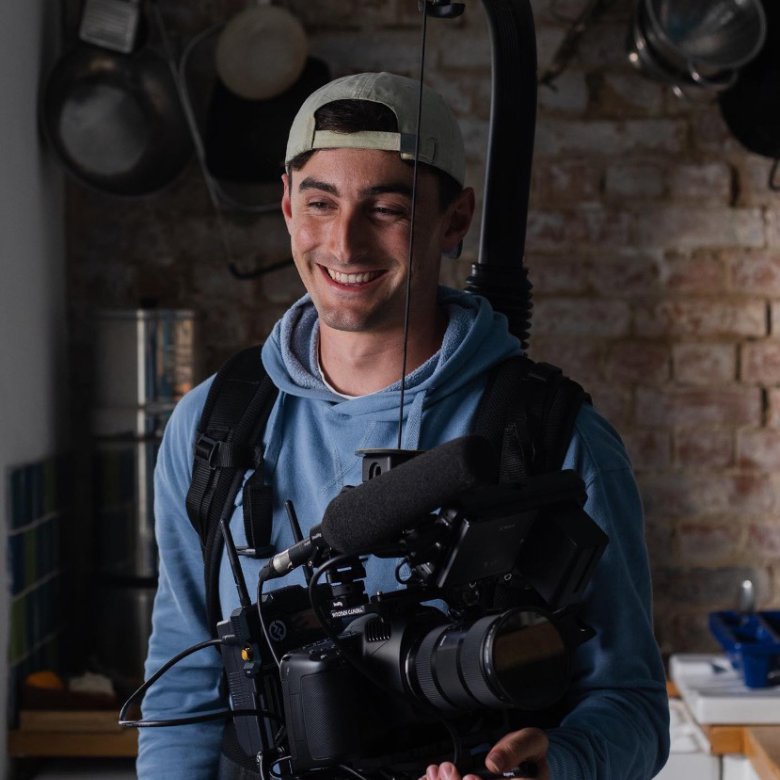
{"type": "Point", "coordinates": [124, 512]}
{"type": "Point", "coordinates": [144, 358]}
{"type": "Point", "coordinates": [145, 361]}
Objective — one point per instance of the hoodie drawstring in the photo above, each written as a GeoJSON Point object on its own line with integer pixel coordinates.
{"type": "Point", "coordinates": [413, 425]}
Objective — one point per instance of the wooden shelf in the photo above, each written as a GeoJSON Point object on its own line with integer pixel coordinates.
{"type": "Point", "coordinates": [761, 744]}
{"type": "Point", "coordinates": [69, 734]}
{"type": "Point", "coordinates": [762, 747]}
{"type": "Point", "coordinates": [725, 739]}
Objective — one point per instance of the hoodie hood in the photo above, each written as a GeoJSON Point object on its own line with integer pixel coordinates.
{"type": "Point", "coordinates": [476, 337]}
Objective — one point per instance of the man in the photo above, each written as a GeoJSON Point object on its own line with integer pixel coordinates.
{"type": "Point", "coordinates": [336, 357]}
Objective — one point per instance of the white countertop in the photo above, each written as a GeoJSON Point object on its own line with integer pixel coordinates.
{"type": "Point", "coordinates": [716, 694]}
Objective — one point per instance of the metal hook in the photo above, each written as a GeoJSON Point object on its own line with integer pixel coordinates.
{"type": "Point", "coordinates": [441, 9]}
{"type": "Point", "coordinates": [568, 45]}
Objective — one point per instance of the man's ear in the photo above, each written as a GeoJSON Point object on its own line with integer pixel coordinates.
{"type": "Point", "coordinates": [454, 254]}
{"type": "Point", "coordinates": [286, 204]}
{"type": "Point", "coordinates": [457, 223]}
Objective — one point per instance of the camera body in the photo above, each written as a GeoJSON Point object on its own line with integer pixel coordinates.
{"type": "Point", "coordinates": [484, 624]}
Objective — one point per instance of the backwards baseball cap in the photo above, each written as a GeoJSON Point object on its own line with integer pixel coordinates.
{"type": "Point", "coordinates": [441, 143]}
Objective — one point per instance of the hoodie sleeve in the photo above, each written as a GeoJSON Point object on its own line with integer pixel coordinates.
{"type": "Point", "coordinates": [618, 721]}
{"type": "Point", "coordinates": [179, 621]}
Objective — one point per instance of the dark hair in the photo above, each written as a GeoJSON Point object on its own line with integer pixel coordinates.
{"type": "Point", "coordinates": [352, 116]}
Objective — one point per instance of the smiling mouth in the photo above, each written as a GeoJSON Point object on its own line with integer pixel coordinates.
{"type": "Point", "coordinates": [353, 279]}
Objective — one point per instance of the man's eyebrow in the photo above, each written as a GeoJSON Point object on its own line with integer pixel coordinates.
{"type": "Point", "coordinates": [310, 183]}
{"type": "Point", "coordinates": [392, 188]}
{"type": "Point", "coordinates": [398, 188]}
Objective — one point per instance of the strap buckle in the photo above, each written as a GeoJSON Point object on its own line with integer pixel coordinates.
{"type": "Point", "coordinates": [207, 449]}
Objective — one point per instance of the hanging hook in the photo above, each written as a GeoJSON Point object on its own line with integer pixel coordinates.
{"type": "Point", "coordinates": [441, 9]}
{"type": "Point", "coordinates": [568, 45]}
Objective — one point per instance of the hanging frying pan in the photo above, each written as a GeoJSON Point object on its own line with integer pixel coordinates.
{"type": "Point", "coordinates": [115, 119]}
{"type": "Point", "coordinates": [751, 108]}
{"type": "Point", "coordinates": [244, 116]}
{"type": "Point", "coordinates": [240, 141]}
{"type": "Point", "coordinates": [246, 139]}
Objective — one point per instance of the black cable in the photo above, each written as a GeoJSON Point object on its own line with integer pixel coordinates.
{"type": "Point", "coordinates": [408, 299]}
{"type": "Point", "coordinates": [350, 771]}
{"type": "Point", "coordinates": [206, 716]}
{"type": "Point", "coordinates": [275, 763]}
{"type": "Point", "coordinates": [261, 580]}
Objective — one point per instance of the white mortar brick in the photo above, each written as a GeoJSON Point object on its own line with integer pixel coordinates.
{"type": "Point", "coordinates": [475, 137]}
{"type": "Point", "coordinates": [772, 219]}
{"type": "Point", "coordinates": [339, 12]}
{"type": "Point", "coordinates": [642, 180]}
{"type": "Point", "coordinates": [754, 181]}
{"type": "Point", "coordinates": [567, 94]}
{"type": "Point", "coordinates": [702, 363]}
{"type": "Point", "coordinates": [602, 46]}
{"type": "Point", "coordinates": [711, 181]}
{"type": "Point", "coordinates": [689, 227]}
{"type": "Point", "coordinates": [548, 41]}
{"type": "Point", "coordinates": [457, 50]}
{"type": "Point", "coordinates": [557, 10]}
{"type": "Point", "coordinates": [638, 93]}
{"type": "Point", "coordinates": [700, 317]}
{"type": "Point", "coordinates": [581, 316]}
{"type": "Point", "coordinates": [607, 137]}
{"type": "Point", "coordinates": [350, 52]}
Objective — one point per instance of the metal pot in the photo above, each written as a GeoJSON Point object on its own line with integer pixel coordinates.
{"type": "Point", "coordinates": [751, 108]}
{"type": "Point", "coordinates": [245, 140]}
{"type": "Point", "coordinates": [144, 358]}
{"type": "Point", "coordinates": [261, 52]}
{"type": "Point", "coordinates": [123, 496]}
{"type": "Point", "coordinates": [242, 140]}
{"type": "Point", "coordinates": [115, 119]}
{"type": "Point", "coordinates": [699, 43]}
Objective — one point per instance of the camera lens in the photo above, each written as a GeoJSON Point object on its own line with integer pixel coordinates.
{"type": "Point", "coordinates": [515, 659]}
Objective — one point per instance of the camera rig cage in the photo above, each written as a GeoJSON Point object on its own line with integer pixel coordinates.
{"type": "Point", "coordinates": [323, 679]}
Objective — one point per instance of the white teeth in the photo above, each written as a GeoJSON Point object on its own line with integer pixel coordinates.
{"type": "Point", "coordinates": [352, 278]}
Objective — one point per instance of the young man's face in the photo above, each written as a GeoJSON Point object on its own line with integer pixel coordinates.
{"type": "Point", "coordinates": [348, 212]}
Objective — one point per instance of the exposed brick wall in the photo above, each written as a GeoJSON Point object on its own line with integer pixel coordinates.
{"type": "Point", "coordinates": [653, 245]}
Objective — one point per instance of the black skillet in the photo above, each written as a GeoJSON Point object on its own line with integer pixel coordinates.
{"type": "Point", "coordinates": [115, 119]}
{"type": "Point", "coordinates": [751, 108]}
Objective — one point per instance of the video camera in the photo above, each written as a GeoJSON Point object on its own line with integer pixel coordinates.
{"type": "Point", "coordinates": [483, 623]}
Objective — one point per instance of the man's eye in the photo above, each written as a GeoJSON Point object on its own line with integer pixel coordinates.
{"type": "Point", "coordinates": [318, 205]}
{"type": "Point", "coordinates": [389, 211]}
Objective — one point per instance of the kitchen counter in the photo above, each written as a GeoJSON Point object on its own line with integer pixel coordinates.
{"type": "Point", "coordinates": [735, 719]}
{"type": "Point", "coordinates": [761, 744]}
{"type": "Point", "coordinates": [84, 733]}
{"type": "Point", "coordinates": [78, 733]}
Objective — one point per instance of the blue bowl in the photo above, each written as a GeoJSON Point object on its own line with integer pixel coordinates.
{"type": "Point", "coordinates": [752, 643]}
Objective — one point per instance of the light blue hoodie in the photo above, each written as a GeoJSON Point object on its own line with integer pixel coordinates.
{"type": "Point", "coordinates": [618, 729]}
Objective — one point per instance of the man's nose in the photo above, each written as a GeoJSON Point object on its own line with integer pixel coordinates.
{"type": "Point", "coordinates": [349, 236]}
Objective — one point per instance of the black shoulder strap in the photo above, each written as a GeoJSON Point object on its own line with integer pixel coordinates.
{"type": "Point", "coordinates": [227, 444]}
{"type": "Point", "coordinates": [528, 411]}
